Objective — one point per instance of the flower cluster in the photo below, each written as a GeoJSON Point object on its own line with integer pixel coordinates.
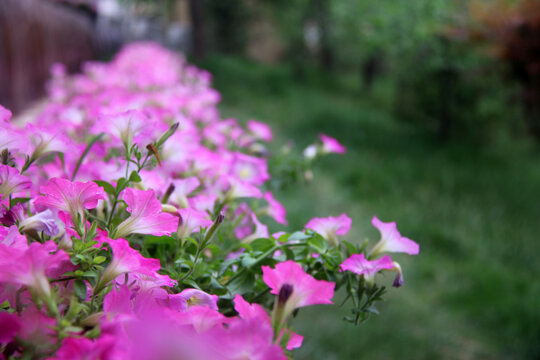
{"type": "Point", "coordinates": [133, 225]}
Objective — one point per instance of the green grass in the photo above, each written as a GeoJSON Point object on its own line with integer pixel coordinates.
{"type": "Point", "coordinates": [473, 292]}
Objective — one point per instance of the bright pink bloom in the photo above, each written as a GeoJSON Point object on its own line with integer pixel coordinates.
{"type": "Point", "coordinates": [72, 197]}
{"type": "Point", "coordinates": [128, 260]}
{"type": "Point", "coordinates": [331, 145]}
{"type": "Point", "coordinates": [301, 288]}
{"type": "Point", "coordinates": [391, 239]}
{"type": "Point", "coordinates": [10, 327]}
{"type": "Point", "coordinates": [330, 227]}
{"type": "Point", "coordinates": [358, 264]}
{"type": "Point", "coordinates": [82, 348]}
{"type": "Point", "coordinates": [191, 221]}
{"type": "Point", "coordinates": [260, 130]}
{"type": "Point", "coordinates": [255, 311]}
{"type": "Point", "coordinates": [275, 209]}
{"type": "Point", "coordinates": [31, 266]}
{"type": "Point", "coordinates": [146, 216]}
{"type": "Point", "coordinates": [240, 189]}
{"type": "Point", "coordinates": [11, 181]}
{"type": "Point", "coordinates": [128, 126]}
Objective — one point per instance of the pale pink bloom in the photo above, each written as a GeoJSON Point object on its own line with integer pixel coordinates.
{"type": "Point", "coordinates": [261, 230]}
{"type": "Point", "coordinates": [195, 297]}
{"type": "Point", "coordinates": [30, 266]}
{"type": "Point", "coordinates": [203, 202]}
{"type": "Point", "coordinates": [358, 264]}
{"type": "Point", "coordinates": [71, 197]}
{"type": "Point", "coordinates": [11, 181]}
{"type": "Point", "coordinates": [330, 227]}
{"type": "Point", "coordinates": [128, 126]}
{"type": "Point", "coordinates": [240, 189]}
{"type": "Point", "coordinates": [46, 222]}
{"type": "Point", "coordinates": [275, 209]}
{"type": "Point", "coordinates": [182, 188]}
{"type": "Point", "coordinates": [12, 139]}
{"type": "Point", "coordinates": [301, 288]}
{"type": "Point", "coordinates": [128, 260]}
{"type": "Point", "coordinates": [44, 141]}
{"type": "Point", "coordinates": [5, 114]}
{"type": "Point", "coordinates": [260, 130]}
{"type": "Point", "coordinates": [391, 240]}
{"type": "Point", "coordinates": [248, 168]}
{"type": "Point", "coordinates": [331, 145]}
{"type": "Point", "coordinates": [146, 216]}
{"type": "Point", "coordinates": [191, 221]}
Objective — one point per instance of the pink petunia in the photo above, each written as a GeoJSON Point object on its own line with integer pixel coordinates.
{"type": "Point", "coordinates": [391, 240]}
{"type": "Point", "coordinates": [11, 181]}
{"type": "Point", "coordinates": [275, 209]}
{"type": "Point", "coordinates": [146, 216]}
{"type": "Point", "coordinates": [260, 130]}
{"type": "Point", "coordinates": [295, 288]}
{"type": "Point", "coordinates": [330, 227]}
{"type": "Point", "coordinates": [71, 197]}
{"type": "Point", "coordinates": [191, 221]}
{"type": "Point", "coordinates": [358, 264]}
{"type": "Point", "coordinates": [331, 145]}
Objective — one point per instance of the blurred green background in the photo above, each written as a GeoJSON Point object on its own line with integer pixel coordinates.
{"type": "Point", "coordinates": [437, 103]}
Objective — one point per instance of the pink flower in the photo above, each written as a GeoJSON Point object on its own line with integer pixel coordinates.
{"type": "Point", "coordinates": [182, 188]}
{"type": "Point", "coordinates": [128, 260]}
{"type": "Point", "coordinates": [260, 130]}
{"type": "Point", "coordinates": [10, 327]}
{"type": "Point", "coordinates": [331, 145]}
{"type": "Point", "coordinates": [330, 227]}
{"type": "Point", "coordinates": [5, 114]}
{"type": "Point", "coordinates": [146, 216]}
{"type": "Point", "coordinates": [261, 230]}
{"type": "Point", "coordinates": [250, 169]}
{"type": "Point", "coordinates": [82, 348]}
{"type": "Point", "coordinates": [11, 181]}
{"type": "Point", "coordinates": [128, 126]}
{"type": "Point", "coordinates": [29, 267]}
{"type": "Point", "coordinates": [191, 221]}
{"type": "Point", "coordinates": [240, 189]}
{"type": "Point", "coordinates": [295, 288]}
{"type": "Point", "coordinates": [358, 264]}
{"type": "Point", "coordinates": [275, 209]}
{"type": "Point", "coordinates": [195, 297]}
{"type": "Point", "coordinates": [72, 197]}
{"type": "Point", "coordinates": [391, 240]}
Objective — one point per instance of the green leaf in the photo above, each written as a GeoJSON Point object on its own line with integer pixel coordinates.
{"type": "Point", "coordinates": [351, 249]}
{"type": "Point", "coordinates": [99, 259]}
{"type": "Point", "coordinates": [79, 287]}
{"type": "Point", "coordinates": [298, 236]}
{"type": "Point", "coordinates": [134, 177]}
{"type": "Point", "coordinates": [247, 261]}
{"type": "Point", "coordinates": [109, 189]}
{"type": "Point", "coordinates": [318, 244]}
{"type": "Point", "coordinates": [262, 244]}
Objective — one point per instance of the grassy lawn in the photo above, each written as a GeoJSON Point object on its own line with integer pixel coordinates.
{"type": "Point", "coordinates": [474, 291]}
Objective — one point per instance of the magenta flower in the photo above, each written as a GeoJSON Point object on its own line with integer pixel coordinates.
{"type": "Point", "coordinates": [331, 145]}
{"type": "Point", "coordinates": [11, 181]}
{"type": "Point", "coordinates": [5, 114]}
{"type": "Point", "coordinates": [71, 197]}
{"type": "Point", "coordinates": [29, 267]}
{"type": "Point", "coordinates": [182, 188]}
{"type": "Point", "coordinates": [358, 264]}
{"type": "Point", "coordinates": [261, 230]}
{"type": "Point", "coordinates": [128, 126]}
{"type": "Point", "coordinates": [191, 221]}
{"type": "Point", "coordinates": [275, 209]}
{"type": "Point", "coordinates": [295, 288]}
{"type": "Point", "coordinates": [391, 240]}
{"type": "Point", "coordinates": [250, 169]}
{"type": "Point", "coordinates": [146, 216]}
{"type": "Point", "coordinates": [82, 348]}
{"type": "Point", "coordinates": [330, 227]}
{"type": "Point", "coordinates": [260, 130]}
{"type": "Point", "coordinates": [128, 260]}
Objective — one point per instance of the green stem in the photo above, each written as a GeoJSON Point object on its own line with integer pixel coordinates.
{"type": "Point", "coordinates": [94, 140]}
